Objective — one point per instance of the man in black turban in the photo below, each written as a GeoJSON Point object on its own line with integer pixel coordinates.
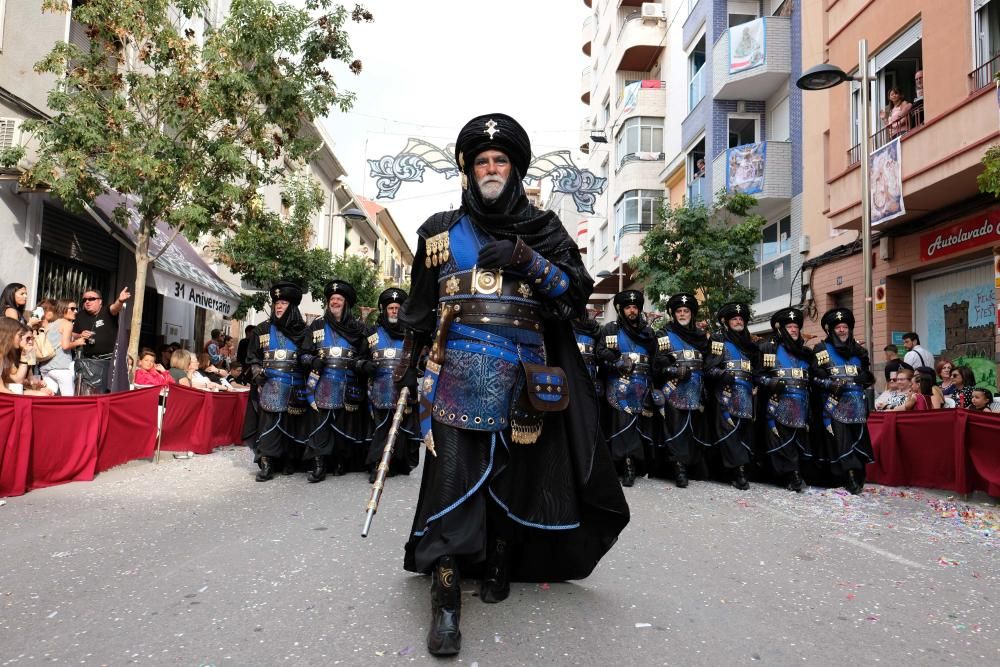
{"type": "Point", "coordinates": [784, 378]}
{"type": "Point", "coordinates": [680, 358]}
{"type": "Point", "coordinates": [338, 434]}
{"type": "Point", "coordinates": [275, 358]}
{"type": "Point", "coordinates": [841, 376]}
{"type": "Point", "coordinates": [731, 363]}
{"type": "Point", "coordinates": [521, 486]}
{"type": "Point", "coordinates": [625, 349]}
{"type": "Point", "coordinates": [385, 344]}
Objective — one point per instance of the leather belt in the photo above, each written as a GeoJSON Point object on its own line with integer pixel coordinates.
{"type": "Point", "coordinates": [850, 370]}
{"type": "Point", "coordinates": [483, 282]}
{"type": "Point", "coordinates": [796, 382]}
{"type": "Point", "coordinates": [387, 353]}
{"type": "Point", "coordinates": [636, 357]}
{"type": "Point", "coordinates": [336, 352]}
{"type": "Point", "coordinates": [797, 373]}
{"type": "Point", "coordinates": [280, 365]}
{"type": "Point", "coordinates": [502, 313]}
{"type": "Point", "coordinates": [741, 365]}
{"type": "Point", "coordinates": [586, 349]}
{"type": "Point", "coordinates": [281, 355]}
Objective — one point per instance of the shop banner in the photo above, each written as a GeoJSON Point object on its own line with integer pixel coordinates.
{"type": "Point", "coordinates": [174, 287]}
{"type": "Point", "coordinates": [745, 168]}
{"type": "Point", "coordinates": [747, 45]}
{"type": "Point", "coordinates": [886, 179]}
{"type": "Point", "coordinates": [972, 232]}
{"type": "Point", "coordinates": [630, 97]}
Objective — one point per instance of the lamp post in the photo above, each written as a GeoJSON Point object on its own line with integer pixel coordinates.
{"type": "Point", "coordinates": [826, 76]}
{"type": "Point", "coordinates": [608, 274]}
{"type": "Point", "coordinates": [351, 214]}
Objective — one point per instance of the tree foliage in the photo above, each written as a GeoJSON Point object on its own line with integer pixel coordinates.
{"type": "Point", "coordinates": [989, 180]}
{"type": "Point", "coordinates": [699, 249]}
{"type": "Point", "coordinates": [185, 119]}
{"type": "Point", "coordinates": [363, 275]}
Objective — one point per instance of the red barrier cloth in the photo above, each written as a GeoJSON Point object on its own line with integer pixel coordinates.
{"type": "Point", "coordinates": [982, 448]}
{"type": "Point", "coordinates": [199, 421]}
{"type": "Point", "coordinates": [48, 441]}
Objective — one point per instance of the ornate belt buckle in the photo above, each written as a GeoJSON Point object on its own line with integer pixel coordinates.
{"type": "Point", "coordinates": [634, 356]}
{"type": "Point", "coordinates": [336, 351]}
{"type": "Point", "coordinates": [280, 355]}
{"type": "Point", "coordinates": [744, 364]}
{"type": "Point", "coordinates": [390, 353]}
{"type": "Point", "coordinates": [797, 373]}
{"type": "Point", "coordinates": [487, 282]}
{"type": "Point", "coordinates": [851, 369]}
{"type": "Point", "coordinates": [688, 354]}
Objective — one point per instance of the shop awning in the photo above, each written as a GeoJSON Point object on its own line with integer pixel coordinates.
{"type": "Point", "coordinates": [180, 272]}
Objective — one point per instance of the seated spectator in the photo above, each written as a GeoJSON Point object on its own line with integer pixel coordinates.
{"type": "Point", "coordinates": [905, 388]}
{"type": "Point", "coordinates": [982, 400]}
{"type": "Point", "coordinates": [198, 379]}
{"type": "Point", "coordinates": [944, 369]}
{"type": "Point", "coordinates": [228, 351]}
{"type": "Point", "coordinates": [180, 360]}
{"type": "Point", "coordinates": [214, 347]}
{"type": "Point", "coordinates": [894, 395]}
{"type": "Point", "coordinates": [13, 341]}
{"type": "Point", "coordinates": [151, 373]}
{"type": "Point", "coordinates": [965, 381]}
{"type": "Point", "coordinates": [921, 394]}
{"type": "Point", "coordinates": [927, 376]}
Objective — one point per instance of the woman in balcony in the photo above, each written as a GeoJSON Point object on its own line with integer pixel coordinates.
{"type": "Point", "coordinates": [896, 114]}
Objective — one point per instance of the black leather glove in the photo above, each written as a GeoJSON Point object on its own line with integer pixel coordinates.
{"type": "Point", "coordinates": [260, 379]}
{"type": "Point", "coordinates": [681, 373]}
{"type": "Point", "coordinates": [317, 363]}
{"type": "Point", "coordinates": [408, 379]}
{"type": "Point", "coordinates": [365, 367]}
{"type": "Point", "coordinates": [496, 255]}
{"type": "Point", "coordinates": [776, 385]}
{"type": "Point", "coordinates": [607, 355]}
{"type": "Point", "coordinates": [624, 365]}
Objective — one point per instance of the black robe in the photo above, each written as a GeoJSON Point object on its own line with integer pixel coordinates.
{"type": "Point", "coordinates": [563, 479]}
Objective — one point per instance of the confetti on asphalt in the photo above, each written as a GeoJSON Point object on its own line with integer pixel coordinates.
{"type": "Point", "coordinates": [643, 625]}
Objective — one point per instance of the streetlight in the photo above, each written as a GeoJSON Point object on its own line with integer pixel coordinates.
{"type": "Point", "coordinates": [351, 214]}
{"type": "Point", "coordinates": [826, 76]}
{"type": "Point", "coordinates": [608, 274]}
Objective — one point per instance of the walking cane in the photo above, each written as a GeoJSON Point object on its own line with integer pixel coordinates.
{"type": "Point", "coordinates": [383, 464]}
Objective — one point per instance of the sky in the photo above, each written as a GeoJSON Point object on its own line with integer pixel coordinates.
{"type": "Point", "coordinates": [431, 65]}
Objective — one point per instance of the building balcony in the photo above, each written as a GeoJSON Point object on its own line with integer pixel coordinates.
{"type": "Point", "coordinates": [630, 244]}
{"type": "Point", "coordinates": [638, 171]}
{"type": "Point", "coordinates": [585, 132]}
{"type": "Point", "coordinates": [696, 191]}
{"type": "Point", "coordinates": [941, 157]}
{"type": "Point", "coordinates": [757, 71]}
{"type": "Point", "coordinates": [585, 85]}
{"type": "Point", "coordinates": [589, 3]}
{"type": "Point", "coordinates": [588, 34]}
{"type": "Point", "coordinates": [640, 43]}
{"type": "Point", "coordinates": [649, 102]}
{"type": "Point", "coordinates": [766, 174]}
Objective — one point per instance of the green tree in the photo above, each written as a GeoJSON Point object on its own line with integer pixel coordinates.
{"type": "Point", "coordinates": [989, 180]}
{"type": "Point", "coordinates": [364, 277]}
{"type": "Point", "coordinates": [187, 121]}
{"type": "Point", "coordinates": [699, 249]}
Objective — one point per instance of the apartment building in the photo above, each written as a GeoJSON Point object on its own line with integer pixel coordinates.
{"type": "Point", "coordinates": [936, 262]}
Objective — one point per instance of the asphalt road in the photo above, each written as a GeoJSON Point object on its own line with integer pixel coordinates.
{"type": "Point", "coordinates": [191, 562]}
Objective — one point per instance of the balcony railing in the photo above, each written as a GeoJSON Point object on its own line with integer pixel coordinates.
{"type": "Point", "coordinates": [696, 89]}
{"type": "Point", "coordinates": [642, 156]}
{"type": "Point", "coordinates": [636, 227]}
{"type": "Point", "coordinates": [898, 128]}
{"type": "Point", "coordinates": [985, 74]}
{"type": "Point", "coordinates": [696, 190]}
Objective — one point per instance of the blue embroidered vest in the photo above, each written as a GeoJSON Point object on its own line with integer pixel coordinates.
{"type": "Point", "coordinates": [386, 352]}
{"type": "Point", "coordinates": [281, 369]}
{"type": "Point", "coordinates": [586, 345]}
{"type": "Point", "coordinates": [685, 395]}
{"type": "Point", "coordinates": [736, 399]}
{"type": "Point", "coordinates": [338, 385]}
{"type": "Point", "coordinates": [629, 393]}
{"type": "Point", "coordinates": [850, 407]}
{"type": "Point", "coordinates": [791, 407]}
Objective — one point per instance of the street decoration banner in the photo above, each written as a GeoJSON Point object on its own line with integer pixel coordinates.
{"type": "Point", "coordinates": [745, 168]}
{"type": "Point", "coordinates": [630, 97]}
{"type": "Point", "coordinates": [977, 230]}
{"type": "Point", "coordinates": [747, 46]}
{"type": "Point", "coordinates": [886, 179]}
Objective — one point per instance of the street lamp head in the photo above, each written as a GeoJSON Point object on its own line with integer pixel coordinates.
{"type": "Point", "coordinates": [604, 274]}
{"type": "Point", "coordinates": [822, 77]}
{"type": "Point", "coordinates": [353, 214]}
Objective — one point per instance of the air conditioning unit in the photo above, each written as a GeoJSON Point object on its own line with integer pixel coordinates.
{"type": "Point", "coordinates": [803, 244]}
{"type": "Point", "coordinates": [652, 11]}
{"type": "Point", "coordinates": [9, 132]}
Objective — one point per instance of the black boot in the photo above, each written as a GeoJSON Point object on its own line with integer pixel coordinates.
{"type": "Point", "coordinates": [795, 482]}
{"type": "Point", "coordinates": [740, 480]}
{"type": "Point", "coordinates": [266, 469]}
{"type": "Point", "coordinates": [372, 473]}
{"type": "Point", "coordinates": [496, 585]}
{"type": "Point", "coordinates": [629, 478]}
{"type": "Point", "coordinates": [288, 467]}
{"type": "Point", "coordinates": [318, 473]}
{"type": "Point", "coordinates": [681, 476]}
{"type": "Point", "coordinates": [444, 637]}
{"type": "Point", "coordinates": [853, 485]}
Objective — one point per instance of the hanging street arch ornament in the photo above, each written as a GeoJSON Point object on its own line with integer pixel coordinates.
{"type": "Point", "coordinates": [408, 166]}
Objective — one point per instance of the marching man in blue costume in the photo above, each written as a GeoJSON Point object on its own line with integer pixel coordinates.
{"type": "Point", "coordinates": [731, 364]}
{"type": "Point", "coordinates": [784, 378]}
{"type": "Point", "coordinates": [277, 359]}
{"type": "Point", "coordinates": [625, 349]}
{"type": "Point", "coordinates": [385, 344]}
{"type": "Point", "coordinates": [842, 374]}
{"type": "Point", "coordinates": [519, 485]}
{"type": "Point", "coordinates": [336, 434]}
{"type": "Point", "coordinates": [680, 360]}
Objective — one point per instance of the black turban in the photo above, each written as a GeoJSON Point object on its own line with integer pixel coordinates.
{"type": "Point", "coordinates": [495, 131]}
{"type": "Point", "coordinates": [682, 300]}
{"type": "Point", "coordinates": [285, 290]}
{"type": "Point", "coordinates": [733, 309]}
{"type": "Point", "coordinates": [782, 319]}
{"type": "Point", "coordinates": [344, 289]}
{"type": "Point", "coordinates": [786, 316]}
{"type": "Point", "coordinates": [629, 297]}
{"type": "Point", "coordinates": [837, 316]}
{"type": "Point", "coordinates": [389, 296]}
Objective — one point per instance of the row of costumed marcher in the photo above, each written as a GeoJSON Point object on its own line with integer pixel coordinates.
{"type": "Point", "coordinates": [678, 403]}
